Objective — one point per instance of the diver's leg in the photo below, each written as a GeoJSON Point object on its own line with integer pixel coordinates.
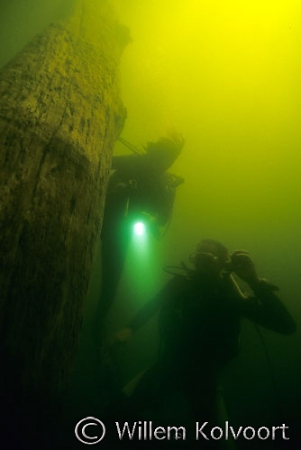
{"type": "Point", "coordinates": [114, 246]}
{"type": "Point", "coordinates": [200, 390]}
{"type": "Point", "coordinates": [113, 255]}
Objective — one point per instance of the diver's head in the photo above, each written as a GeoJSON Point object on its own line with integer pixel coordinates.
{"type": "Point", "coordinates": [163, 153]}
{"type": "Point", "coordinates": [210, 258]}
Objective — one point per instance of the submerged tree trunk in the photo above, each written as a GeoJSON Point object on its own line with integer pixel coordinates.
{"type": "Point", "coordinates": [60, 115]}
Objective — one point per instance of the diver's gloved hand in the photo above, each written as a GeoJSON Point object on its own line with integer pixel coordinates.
{"type": "Point", "coordinates": [243, 266]}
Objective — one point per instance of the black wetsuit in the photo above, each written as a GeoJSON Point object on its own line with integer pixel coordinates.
{"type": "Point", "coordinates": [199, 326]}
{"type": "Point", "coordinates": [136, 190]}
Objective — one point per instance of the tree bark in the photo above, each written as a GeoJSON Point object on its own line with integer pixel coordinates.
{"type": "Point", "coordinates": [60, 115]}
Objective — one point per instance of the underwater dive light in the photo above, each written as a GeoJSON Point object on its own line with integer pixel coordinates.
{"type": "Point", "coordinates": [139, 228]}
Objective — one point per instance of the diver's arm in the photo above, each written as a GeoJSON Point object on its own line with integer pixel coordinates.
{"type": "Point", "coordinates": [166, 193]}
{"type": "Point", "coordinates": [145, 314]}
{"type": "Point", "coordinates": [153, 306]}
{"type": "Point", "coordinates": [124, 335]}
{"type": "Point", "coordinates": [266, 309]}
{"type": "Point", "coordinates": [129, 165]}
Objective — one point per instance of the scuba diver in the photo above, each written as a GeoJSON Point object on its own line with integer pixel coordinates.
{"type": "Point", "coordinates": [140, 188]}
{"type": "Point", "coordinates": [200, 310]}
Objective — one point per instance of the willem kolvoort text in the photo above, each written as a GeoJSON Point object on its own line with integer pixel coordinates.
{"type": "Point", "coordinates": [143, 430]}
